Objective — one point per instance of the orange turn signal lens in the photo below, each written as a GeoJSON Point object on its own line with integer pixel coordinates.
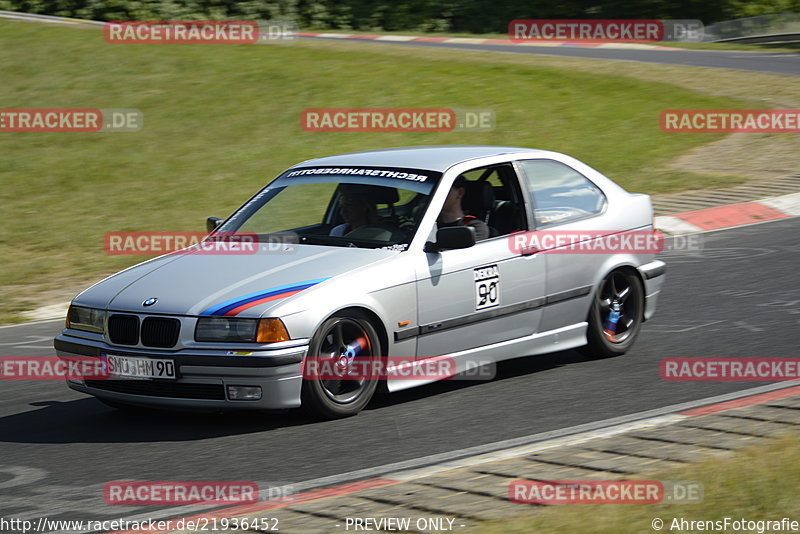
{"type": "Point", "coordinates": [271, 331]}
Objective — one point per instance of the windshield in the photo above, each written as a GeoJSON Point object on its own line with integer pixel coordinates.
{"type": "Point", "coordinates": [368, 207]}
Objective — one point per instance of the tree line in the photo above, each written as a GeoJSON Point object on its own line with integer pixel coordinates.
{"type": "Point", "coordinates": [467, 16]}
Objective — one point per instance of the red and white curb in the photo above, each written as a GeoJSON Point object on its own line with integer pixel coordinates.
{"type": "Point", "coordinates": [391, 474]}
{"type": "Point", "coordinates": [730, 215]}
{"type": "Point", "coordinates": [479, 41]}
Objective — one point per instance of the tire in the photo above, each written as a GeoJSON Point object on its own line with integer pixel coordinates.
{"type": "Point", "coordinates": [627, 288]}
{"type": "Point", "coordinates": [333, 399]}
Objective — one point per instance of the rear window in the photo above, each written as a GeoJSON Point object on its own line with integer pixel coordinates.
{"type": "Point", "coordinates": [559, 193]}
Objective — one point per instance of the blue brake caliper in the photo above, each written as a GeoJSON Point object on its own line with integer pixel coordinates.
{"type": "Point", "coordinates": [610, 326]}
{"type": "Point", "coordinates": [351, 351]}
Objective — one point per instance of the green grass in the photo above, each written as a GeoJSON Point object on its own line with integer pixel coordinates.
{"type": "Point", "coordinates": [222, 120]}
{"type": "Point", "coordinates": [754, 484]}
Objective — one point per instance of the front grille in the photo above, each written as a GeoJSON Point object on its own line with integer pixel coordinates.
{"type": "Point", "coordinates": [150, 388]}
{"type": "Point", "coordinates": [160, 332]}
{"type": "Point", "coordinates": [123, 329]}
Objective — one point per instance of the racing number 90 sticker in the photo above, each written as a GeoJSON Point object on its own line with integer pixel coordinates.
{"type": "Point", "coordinates": [487, 287]}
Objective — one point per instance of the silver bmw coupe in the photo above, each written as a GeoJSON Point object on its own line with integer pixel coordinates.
{"type": "Point", "coordinates": [388, 268]}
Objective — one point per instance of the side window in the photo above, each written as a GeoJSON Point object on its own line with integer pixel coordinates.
{"type": "Point", "coordinates": [492, 194]}
{"type": "Point", "coordinates": [559, 193]}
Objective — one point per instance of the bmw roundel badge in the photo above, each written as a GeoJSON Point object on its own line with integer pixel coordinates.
{"type": "Point", "coordinates": [150, 301]}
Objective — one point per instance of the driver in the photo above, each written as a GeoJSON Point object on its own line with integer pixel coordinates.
{"type": "Point", "coordinates": [453, 214]}
{"type": "Point", "coordinates": [357, 210]}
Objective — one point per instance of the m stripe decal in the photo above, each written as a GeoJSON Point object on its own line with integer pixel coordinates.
{"type": "Point", "coordinates": [239, 304]}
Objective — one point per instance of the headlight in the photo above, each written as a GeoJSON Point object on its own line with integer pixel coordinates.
{"type": "Point", "coordinates": [88, 319]}
{"type": "Point", "coordinates": [240, 330]}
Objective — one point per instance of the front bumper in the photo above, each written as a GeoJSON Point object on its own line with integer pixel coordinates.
{"type": "Point", "coordinates": [203, 376]}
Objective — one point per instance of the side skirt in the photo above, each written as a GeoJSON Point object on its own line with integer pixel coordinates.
{"type": "Point", "coordinates": [568, 337]}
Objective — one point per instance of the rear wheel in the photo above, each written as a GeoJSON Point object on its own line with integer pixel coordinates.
{"type": "Point", "coordinates": [340, 376]}
{"type": "Point", "coordinates": [621, 290]}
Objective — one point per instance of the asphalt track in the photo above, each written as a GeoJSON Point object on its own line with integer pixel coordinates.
{"type": "Point", "coordinates": [739, 296]}
{"type": "Point", "coordinates": [768, 62]}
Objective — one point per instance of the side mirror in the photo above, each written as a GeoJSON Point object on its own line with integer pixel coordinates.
{"type": "Point", "coordinates": [212, 223]}
{"type": "Point", "coordinates": [452, 237]}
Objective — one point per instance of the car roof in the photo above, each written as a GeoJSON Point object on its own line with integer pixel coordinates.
{"type": "Point", "coordinates": [434, 158]}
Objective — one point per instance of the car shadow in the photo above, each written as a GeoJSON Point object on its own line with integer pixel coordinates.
{"type": "Point", "coordinates": [504, 370]}
{"type": "Point", "coordinates": [87, 420]}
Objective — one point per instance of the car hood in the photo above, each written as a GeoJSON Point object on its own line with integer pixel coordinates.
{"type": "Point", "coordinates": [224, 284]}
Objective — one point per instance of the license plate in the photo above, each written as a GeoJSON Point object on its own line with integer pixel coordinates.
{"type": "Point", "coordinates": [130, 367]}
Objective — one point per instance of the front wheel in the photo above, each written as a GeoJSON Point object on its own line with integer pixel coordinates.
{"type": "Point", "coordinates": [340, 375]}
{"type": "Point", "coordinates": [616, 315]}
